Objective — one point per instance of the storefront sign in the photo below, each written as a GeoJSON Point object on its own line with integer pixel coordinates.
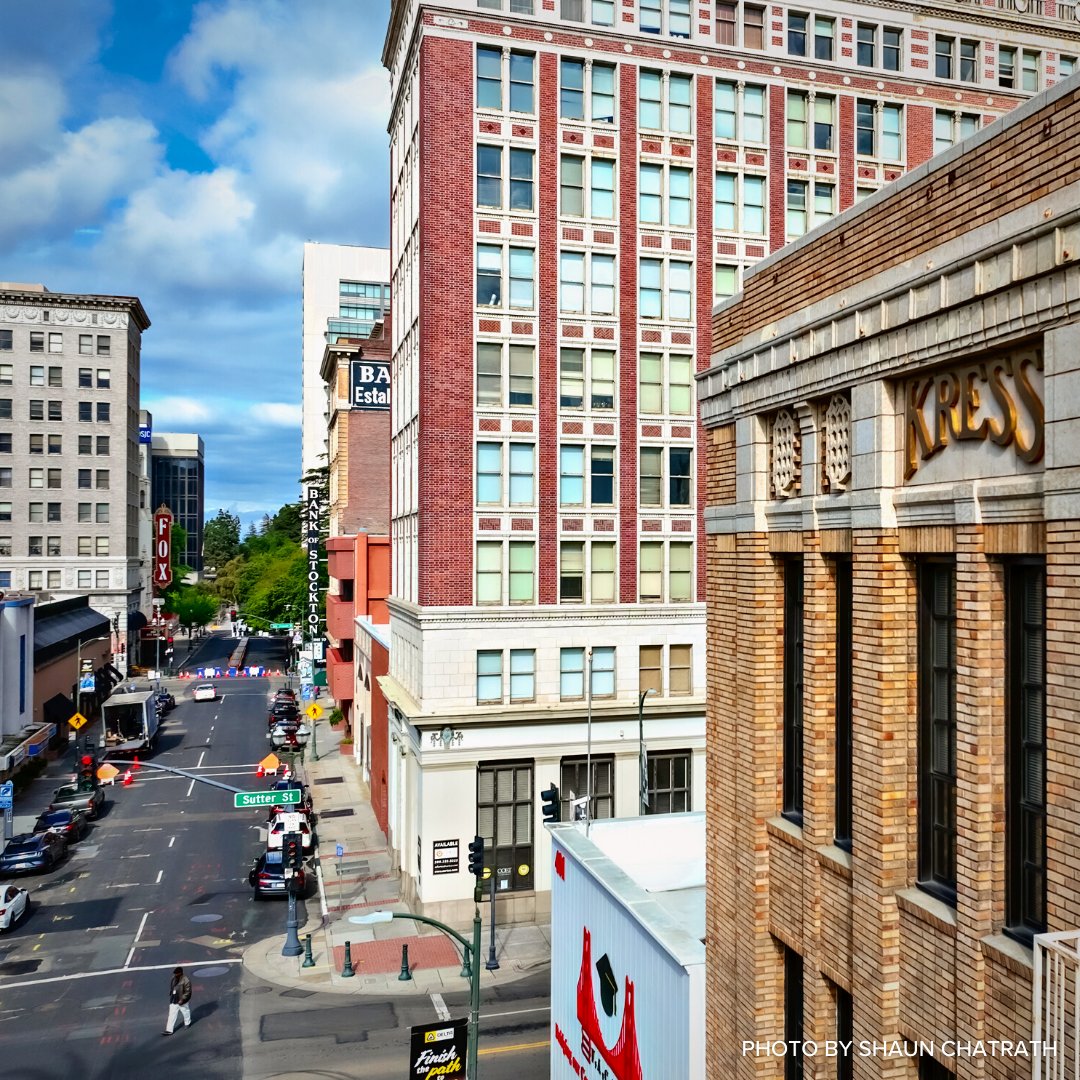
{"type": "Point", "coordinates": [163, 520]}
{"type": "Point", "coordinates": [369, 386]}
{"type": "Point", "coordinates": [438, 1050]}
{"type": "Point", "coordinates": [445, 857]}
{"type": "Point", "coordinates": [312, 520]}
{"type": "Point", "coordinates": [997, 400]}
{"type": "Point", "coordinates": [145, 434]}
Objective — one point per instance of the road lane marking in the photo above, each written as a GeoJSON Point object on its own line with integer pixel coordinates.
{"type": "Point", "coordinates": [199, 763]}
{"type": "Point", "coordinates": [159, 873]}
{"type": "Point", "coordinates": [441, 1011]}
{"type": "Point", "coordinates": [519, 1012]}
{"type": "Point", "coordinates": [146, 856]}
{"type": "Point", "coordinates": [156, 828]}
{"type": "Point", "coordinates": [138, 934]}
{"type": "Point", "coordinates": [172, 840]}
{"type": "Point", "coordinates": [511, 1049]}
{"type": "Point", "coordinates": [191, 787]}
{"type": "Point", "coordinates": [217, 960]}
{"type": "Point", "coordinates": [124, 885]}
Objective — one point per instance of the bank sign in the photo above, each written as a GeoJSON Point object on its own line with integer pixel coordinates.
{"type": "Point", "coordinates": [312, 520]}
{"type": "Point", "coordinates": [369, 385]}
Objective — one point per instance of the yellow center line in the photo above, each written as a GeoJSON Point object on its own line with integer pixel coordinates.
{"type": "Point", "coordinates": [510, 1049]}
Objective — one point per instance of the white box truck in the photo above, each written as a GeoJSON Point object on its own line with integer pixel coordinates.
{"type": "Point", "coordinates": [129, 723]}
{"type": "Point", "coordinates": [627, 949]}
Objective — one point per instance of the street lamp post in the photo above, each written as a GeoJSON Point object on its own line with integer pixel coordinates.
{"type": "Point", "coordinates": [472, 963]}
{"type": "Point", "coordinates": [643, 765]}
{"type": "Point", "coordinates": [78, 668]}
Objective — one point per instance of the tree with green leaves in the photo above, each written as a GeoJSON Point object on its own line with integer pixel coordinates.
{"type": "Point", "coordinates": [193, 606]}
{"type": "Point", "coordinates": [221, 539]}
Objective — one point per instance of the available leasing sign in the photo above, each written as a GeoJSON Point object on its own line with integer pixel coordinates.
{"type": "Point", "coordinates": [369, 386]}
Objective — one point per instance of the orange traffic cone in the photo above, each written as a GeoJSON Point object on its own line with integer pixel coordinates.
{"type": "Point", "coordinates": [260, 772]}
{"type": "Point", "coordinates": [135, 763]}
{"type": "Point", "coordinates": [128, 778]}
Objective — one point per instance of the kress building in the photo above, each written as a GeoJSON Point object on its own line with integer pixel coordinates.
{"type": "Point", "coordinates": [892, 505]}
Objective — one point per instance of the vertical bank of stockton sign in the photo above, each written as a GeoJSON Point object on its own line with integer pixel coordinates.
{"type": "Point", "coordinates": [312, 519]}
{"type": "Point", "coordinates": [163, 520]}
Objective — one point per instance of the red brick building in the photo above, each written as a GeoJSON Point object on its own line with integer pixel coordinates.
{"type": "Point", "coordinates": [892, 423]}
{"type": "Point", "coordinates": [573, 184]}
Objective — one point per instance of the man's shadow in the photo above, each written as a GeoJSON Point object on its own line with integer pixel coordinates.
{"type": "Point", "coordinates": [203, 1011]}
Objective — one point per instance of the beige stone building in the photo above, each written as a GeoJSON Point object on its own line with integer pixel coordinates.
{"type": "Point", "coordinates": [892, 423]}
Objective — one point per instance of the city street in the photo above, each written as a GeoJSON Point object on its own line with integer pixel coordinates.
{"type": "Point", "coordinates": [161, 881]}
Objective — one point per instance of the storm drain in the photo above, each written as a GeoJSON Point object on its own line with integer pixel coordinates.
{"type": "Point", "coordinates": [348, 812]}
{"type": "Point", "coordinates": [329, 780]}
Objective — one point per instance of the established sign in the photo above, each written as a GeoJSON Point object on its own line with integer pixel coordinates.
{"type": "Point", "coordinates": [244, 799]}
{"type": "Point", "coordinates": [997, 400]}
{"type": "Point", "coordinates": [369, 385]}
{"type": "Point", "coordinates": [163, 520]}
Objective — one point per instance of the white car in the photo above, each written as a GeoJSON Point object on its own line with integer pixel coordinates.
{"type": "Point", "coordinates": [276, 836]}
{"type": "Point", "coordinates": [14, 903]}
{"type": "Point", "coordinates": [204, 692]}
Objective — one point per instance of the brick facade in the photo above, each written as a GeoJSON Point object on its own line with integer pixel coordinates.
{"type": "Point", "coordinates": [910, 288]}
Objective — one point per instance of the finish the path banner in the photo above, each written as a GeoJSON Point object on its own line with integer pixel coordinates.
{"type": "Point", "coordinates": [439, 1050]}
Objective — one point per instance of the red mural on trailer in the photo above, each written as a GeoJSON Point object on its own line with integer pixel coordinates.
{"type": "Point", "coordinates": [622, 1058]}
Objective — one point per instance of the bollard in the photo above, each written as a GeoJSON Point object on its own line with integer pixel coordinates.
{"type": "Point", "coordinates": [406, 974]}
{"type": "Point", "coordinates": [347, 971]}
{"type": "Point", "coordinates": [308, 961]}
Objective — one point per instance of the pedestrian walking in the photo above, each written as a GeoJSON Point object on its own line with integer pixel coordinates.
{"type": "Point", "coordinates": [179, 996]}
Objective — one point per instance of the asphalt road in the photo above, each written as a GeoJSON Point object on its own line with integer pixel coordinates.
{"type": "Point", "coordinates": [161, 881]}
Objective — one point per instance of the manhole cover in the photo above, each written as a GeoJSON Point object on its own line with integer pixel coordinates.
{"type": "Point", "coordinates": [259, 990]}
{"type": "Point", "coordinates": [210, 972]}
{"type": "Point", "coordinates": [338, 813]}
{"type": "Point", "coordinates": [297, 993]}
{"type": "Point", "coordinates": [329, 780]}
{"type": "Point", "coordinates": [206, 918]}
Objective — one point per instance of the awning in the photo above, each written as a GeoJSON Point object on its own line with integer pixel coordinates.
{"type": "Point", "coordinates": [136, 621]}
{"type": "Point", "coordinates": [58, 709]}
{"type": "Point", "coordinates": [55, 635]}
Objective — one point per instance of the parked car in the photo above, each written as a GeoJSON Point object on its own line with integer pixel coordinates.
{"type": "Point", "coordinates": [282, 710]}
{"type": "Point", "coordinates": [14, 904]}
{"type": "Point", "coordinates": [305, 805]}
{"type": "Point", "coordinates": [69, 797]}
{"type": "Point", "coordinates": [204, 692]}
{"type": "Point", "coordinates": [276, 834]}
{"type": "Point", "coordinates": [70, 824]}
{"type": "Point", "coordinates": [28, 852]}
{"type": "Point", "coordinates": [284, 694]}
{"type": "Point", "coordinates": [267, 877]}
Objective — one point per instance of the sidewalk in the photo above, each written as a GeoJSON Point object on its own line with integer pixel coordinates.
{"type": "Point", "coordinates": [363, 880]}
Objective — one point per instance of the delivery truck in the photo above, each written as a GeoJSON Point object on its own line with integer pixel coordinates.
{"type": "Point", "coordinates": [129, 723]}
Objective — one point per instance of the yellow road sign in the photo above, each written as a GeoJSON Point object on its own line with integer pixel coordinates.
{"type": "Point", "coordinates": [314, 710]}
{"type": "Point", "coordinates": [108, 772]}
{"type": "Point", "coordinates": [77, 720]}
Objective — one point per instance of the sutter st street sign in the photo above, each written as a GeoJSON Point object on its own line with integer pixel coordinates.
{"type": "Point", "coordinates": [241, 799]}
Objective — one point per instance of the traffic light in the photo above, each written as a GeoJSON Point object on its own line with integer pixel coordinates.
{"type": "Point", "coordinates": [86, 772]}
{"type": "Point", "coordinates": [292, 854]}
{"type": "Point", "coordinates": [549, 798]}
{"type": "Point", "coordinates": [232, 614]}
{"type": "Point", "coordinates": [476, 856]}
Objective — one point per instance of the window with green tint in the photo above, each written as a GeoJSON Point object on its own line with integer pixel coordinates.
{"type": "Point", "coordinates": [571, 378]}
{"type": "Point", "coordinates": [489, 572]}
{"type": "Point", "coordinates": [521, 572]}
{"type": "Point", "coordinates": [571, 572]}
{"type": "Point", "coordinates": [602, 379]}
{"type": "Point", "coordinates": [680, 573]}
{"type": "Point", "coordinates": [651, 478]}
{"type": "Point", "coordinates": [650, 383]}
{"type": "Point", "coordinates": [650, 572]}
{"type": "Point", "coordinates": [522, 674]}
{"type": "Point", "coordinates": [602, 573]}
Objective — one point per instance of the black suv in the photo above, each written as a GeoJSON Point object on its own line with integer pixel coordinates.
{"type": "Point", "coordinates": [26, 853]}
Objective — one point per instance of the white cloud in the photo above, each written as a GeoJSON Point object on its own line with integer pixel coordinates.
{"type": "Point", "coordinates": [278, 413]}
{"type": "Point", "coordinates": [173, 413]}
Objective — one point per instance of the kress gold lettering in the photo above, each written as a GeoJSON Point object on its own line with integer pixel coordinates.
{"type": "Point", "coordinates": [959, 401]}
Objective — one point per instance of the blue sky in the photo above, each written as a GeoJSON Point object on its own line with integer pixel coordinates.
{"type": "Point", "coordinates": [182, 153]}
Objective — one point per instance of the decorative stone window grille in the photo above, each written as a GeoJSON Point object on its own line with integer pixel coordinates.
{"type": "Point", "coordinates": [837, 438]}
{"type": "Point", "coordinates": [786, 456]}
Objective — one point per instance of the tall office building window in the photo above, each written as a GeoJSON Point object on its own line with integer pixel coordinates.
{"type": "Point", "coordinates": [793, 690]}
{"type": "Point", "coordinates": [793, 1014]}
{"type": "Point", "coordinates": [1025, 810]}
{"type": "Point", "coordinates": [843, 770]}
{"type": "Point", "coordinates": [937, 729]}
{"type": "Point", "coordinates": [574, 784]}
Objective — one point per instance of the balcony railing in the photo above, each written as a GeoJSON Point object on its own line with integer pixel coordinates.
{"type": "Point", "coordinates": [1055, 1006]}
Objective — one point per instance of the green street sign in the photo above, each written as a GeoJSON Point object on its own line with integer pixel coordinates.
{"type": "Point", "coordinates": [242, 799]}
{"type": "Point", "coordinates": [281, 626]}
